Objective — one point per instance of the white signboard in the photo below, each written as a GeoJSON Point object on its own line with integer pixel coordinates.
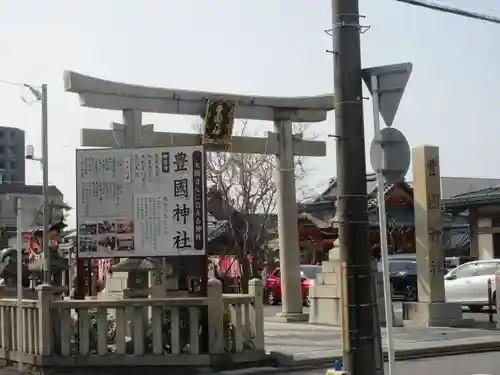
{"type": "Point", "coordinates": [141, 202]}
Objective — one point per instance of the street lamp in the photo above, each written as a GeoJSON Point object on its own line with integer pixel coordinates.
{"type": "Point", "coordinates": [41, 96]}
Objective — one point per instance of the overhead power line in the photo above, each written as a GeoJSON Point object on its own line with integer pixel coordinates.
{"type": "Point", "coordinates": [451, 10]}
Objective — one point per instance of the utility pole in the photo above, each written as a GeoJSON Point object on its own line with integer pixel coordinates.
{"type": "Point", "coordinates": [41, 96]}
{"type": "Point", "coordinates": [360, 324]}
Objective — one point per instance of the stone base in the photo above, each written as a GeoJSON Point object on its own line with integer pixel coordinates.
{"type": "Point", "coordinates": [432, 314]}
{"type": "Point", "coordinates": [396, 320]}
{"type": "Point", "coordinates": [325, 311]}
{"type": "Point", "coordinates": [291, 317]}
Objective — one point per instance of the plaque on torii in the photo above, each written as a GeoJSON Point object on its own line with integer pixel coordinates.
{"type": "Point", "coordinates": [133, 100]}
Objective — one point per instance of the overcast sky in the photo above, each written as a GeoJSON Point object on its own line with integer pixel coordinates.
{"type": "Point", "coordinates": [265, 47]}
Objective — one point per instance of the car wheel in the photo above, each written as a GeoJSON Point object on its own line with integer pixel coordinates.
{"type": "Point", "coordinates": [475, 308]}
{"type": "Point", "coordinates": [271, 298]}
{"type": "Point", "coordinates": [307, 299]}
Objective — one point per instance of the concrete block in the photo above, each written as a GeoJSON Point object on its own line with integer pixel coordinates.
{"type": "Point", "coordinates": [432, 314]}
{"type": "Point", "coordinates": [328, 278]}
{"type": "Point", "coordinates": [326, 311]}
{"type": "Point", "coordinates": [334, 254]}
{"type": "Point", "coordinates": [325, 291]}
{"type": "Point", "coordinates": [332, 266]}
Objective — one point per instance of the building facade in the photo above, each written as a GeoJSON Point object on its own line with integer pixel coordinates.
{"type": "Point", "coordinates": [12, 155]}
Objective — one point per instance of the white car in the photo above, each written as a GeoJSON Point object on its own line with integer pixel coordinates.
{"type": "Point", "coordinates": [468, 283]}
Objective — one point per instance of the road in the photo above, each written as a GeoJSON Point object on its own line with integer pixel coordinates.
{"type": "Point", "coordinates": [480, 318]}
{"type": "Point", "coordinates": [466, 364]}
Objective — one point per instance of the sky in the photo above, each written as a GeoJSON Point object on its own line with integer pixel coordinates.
{"type": "Point", "coordinates": [260, 47]}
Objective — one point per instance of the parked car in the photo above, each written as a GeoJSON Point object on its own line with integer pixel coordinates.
{"type": "Point", "coordinates": [468, 283]}
{"type": "Point", "coordinates": [453, 262]}
{"type": "Point", "coordinates": [273, 284]}
{"type": "Point", "coordinates": [403, 276]}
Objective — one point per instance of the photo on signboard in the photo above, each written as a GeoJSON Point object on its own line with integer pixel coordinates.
{"type": "Point", "coordinates": [125, 243]}
{"type": "Point", "coordinates": [105, 227]}
{"type": "Point", "coordinates": [87, 229]}
{"type": "Point", "coordinates": [125, 227]}
{"type": "Point", "coordinates": [107, 242]}
{"type": "Point", "coordinates": [87, 245]}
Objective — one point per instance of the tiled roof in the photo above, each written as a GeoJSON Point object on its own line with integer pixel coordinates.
{"type": "Point", "coordinates": [324, 210]}
{"type": "Point", "coordinates": [331, 190]}
{"type": "Point", "coordinates": [16, 188]}
{"type": "Point", "coordinates": [478, 197]}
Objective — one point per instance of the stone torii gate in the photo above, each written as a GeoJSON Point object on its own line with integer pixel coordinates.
{"type": "Point", "coordinates": [133, 100]}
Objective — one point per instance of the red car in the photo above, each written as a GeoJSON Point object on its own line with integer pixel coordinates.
{"type": "Point", "coordinates": [273, 284]}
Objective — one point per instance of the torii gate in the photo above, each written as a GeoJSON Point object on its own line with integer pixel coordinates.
{"type": "Point", "coordinates": [133, 100]}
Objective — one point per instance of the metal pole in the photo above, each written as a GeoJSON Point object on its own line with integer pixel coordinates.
{"type": "Point", "coordinates": [19, 245]}
{"type": "Point", "coordinates": [70, 273]}
{"type": "Point", "coordinates": [45, 188]}
{"type": "Point", "coordinates": [362, 355]}
{"type": "Point", "coordinates": [382, 217]}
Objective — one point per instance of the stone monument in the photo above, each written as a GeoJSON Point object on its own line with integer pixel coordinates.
{"type": "Point", "coordinates": [325, 293]}
{"type": "Point", "coordinates": [431, 308]}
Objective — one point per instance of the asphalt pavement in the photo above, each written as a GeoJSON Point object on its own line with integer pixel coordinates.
{"type": "Point", "coordinates": [465, 364]}
{"type": "Point", "coordinates": [481, 317]}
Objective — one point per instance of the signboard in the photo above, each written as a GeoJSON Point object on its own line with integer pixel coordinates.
{"type": "Point", "coordinates": [392, 80]}
{"type": "Point", "coordinates": [219, 122]}
{"type": "Point", "coordinates": [141, 202]}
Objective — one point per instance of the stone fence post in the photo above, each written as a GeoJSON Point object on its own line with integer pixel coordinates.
{"type": "Point", "coordinates": [496, 300]}
{"type": "Point", "coordinates": [255, 289]}
{"type": "Point", "coordinates": [45, 297]}
{"type": "Point", "coordinates": [215, 317]}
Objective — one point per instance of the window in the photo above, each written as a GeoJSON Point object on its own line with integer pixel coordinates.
{"type": "Point", "coordinates": [403, 266]}
{"type": "Point", "coordinates": [310, 272]}
{"type": "Point", "coordinates": [2, 149]}
{"type": "Point", "coordinates": [468, 270]}
{"type": "Point", "coordinates": [487, 269]}
{"type": "Point", "coordinates": [399, 266]}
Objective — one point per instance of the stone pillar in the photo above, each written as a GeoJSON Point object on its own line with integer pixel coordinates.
{"type": "Point", "coordinates": [431, 310]}
{"type": "Point", "coordinates": [291, 296]}
{"type": "Point", "coordinates": [485, 245]}
{"type": "Point", "coordinates": [132, 120]}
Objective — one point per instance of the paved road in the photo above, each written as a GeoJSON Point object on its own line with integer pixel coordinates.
{"type": "Point", "coordinates": [481, 317]}
{"type": "Point", "coordinates": [468, 364]}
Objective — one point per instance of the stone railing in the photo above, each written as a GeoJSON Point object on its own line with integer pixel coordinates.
{"type": "Point", "coordinates": [187, 331]}
{"type": "Point", "coordinates": [9, 339]}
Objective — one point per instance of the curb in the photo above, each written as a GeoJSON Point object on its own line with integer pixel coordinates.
{"type": "Point", "coordinates": [287, 363]}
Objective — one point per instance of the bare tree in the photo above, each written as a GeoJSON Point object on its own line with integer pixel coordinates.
{"type": "Point", "coordinates": [247, 190]}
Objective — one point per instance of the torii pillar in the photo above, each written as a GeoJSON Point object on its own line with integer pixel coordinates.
{"type": "Point", "coordinates": [133, 100]}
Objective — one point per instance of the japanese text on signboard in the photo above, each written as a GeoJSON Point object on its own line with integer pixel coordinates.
{"type": "Point", "coordinates": [143, 202]}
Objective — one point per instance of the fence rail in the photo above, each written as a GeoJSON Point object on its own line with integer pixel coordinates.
{"type": "Point", "coordinates": [136, 331]}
